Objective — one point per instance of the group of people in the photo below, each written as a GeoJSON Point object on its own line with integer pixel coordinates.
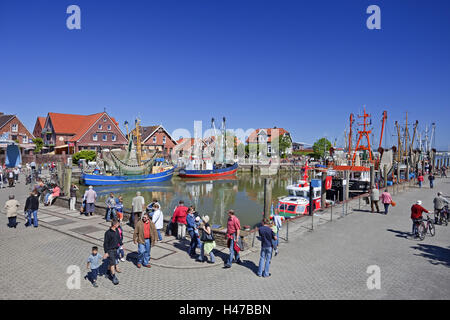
{"type": "Point", "coordinates": [9, 176]}
{"type": "Point", "coordinates": [440, 203]}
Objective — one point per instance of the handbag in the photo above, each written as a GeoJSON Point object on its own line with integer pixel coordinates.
{"type": "Point", "coordinates": [207, 237]}
{"type": "Point", "coordinates": [393, 203]}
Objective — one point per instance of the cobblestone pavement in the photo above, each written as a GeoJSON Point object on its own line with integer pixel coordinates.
{"type": "Point", "coordinates": [328, 263]}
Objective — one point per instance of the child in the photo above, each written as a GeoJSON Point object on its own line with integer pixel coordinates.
{"type": "Point", "coordinates": [274, 228]}
{"type": "Point", "coordinates": [93, 264]}
{"type": "Point", "coordinates": [119, 209]}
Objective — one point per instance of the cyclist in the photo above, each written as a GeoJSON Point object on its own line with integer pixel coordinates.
{"type": "Point", "coordinates": [416, 215]}
{"type": "Point", "coordinates": [439, 204]}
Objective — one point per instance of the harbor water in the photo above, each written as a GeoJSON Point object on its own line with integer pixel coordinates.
{"type": "Point", "coordinates": [243, 192]}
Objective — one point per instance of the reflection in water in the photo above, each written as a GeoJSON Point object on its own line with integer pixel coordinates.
{"type": "Point", "coordinates": [244, 193]}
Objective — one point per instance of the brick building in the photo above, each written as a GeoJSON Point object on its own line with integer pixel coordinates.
{"type": "Point", "coordinates": [267, 136]}
{"type": "Point", "coordinates": [38, 126]}
{"type": "Point", "coordinates": [70, 133]}
{"type": "Point", "coordinates": [156, 138]}
{"type": "Point", "coordinates": [13, 129]}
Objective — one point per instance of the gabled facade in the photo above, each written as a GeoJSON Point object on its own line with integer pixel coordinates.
{"type": "Point", "coordinates": [11, 128]}
{"type": "Point", "coordinates": [38, 126]}
{"type": "Point", "coordinates": [267, 136]}
{"type": "Point", "coordinates": [156, 138]}
{"type": "Point", "coordinates": [70, 133]}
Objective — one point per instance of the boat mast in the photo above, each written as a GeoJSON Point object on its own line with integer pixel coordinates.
{"type": "Point", "coordinates": [138, 141]}
{"type": "Point", "coordinates": [224, 139]}
{"type": "Point", "coordinates": [399, 143]}
{"type": "Point", "coordinates": [382, 127]}
{"type": "Point", "coordinates": [361, 134]}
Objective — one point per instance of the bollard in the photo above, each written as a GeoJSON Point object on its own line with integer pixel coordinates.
{"type": "Point", "coordinates": [287, 230]}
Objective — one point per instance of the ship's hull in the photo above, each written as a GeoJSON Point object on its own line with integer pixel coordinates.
{"type": "Point", "coordinates": [209, 173]}
{"type": "Point", "coordinates": [102, 180]}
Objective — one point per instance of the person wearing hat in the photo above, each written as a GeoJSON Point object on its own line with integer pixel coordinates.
{"type": "Point", "coordinates": [90, 196]}
{"type": "Point", "coordinates": [439, 203]}
{"type": "Point", "coordinates": [416, 215]}
{"type": "Point", "coordinates": [208, 243]}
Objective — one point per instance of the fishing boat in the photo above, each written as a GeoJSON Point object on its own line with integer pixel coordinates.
{"type": "Point", "coordinates": [129, 169]}
{"type": "Point", "coordinates": [297, 202]}
{"type": "Point", "coordinates": [218, 166]}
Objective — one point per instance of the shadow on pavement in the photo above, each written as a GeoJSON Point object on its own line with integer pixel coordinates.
{"type": "Point", "coordinates": [435, 255]}
{"type": "Point", "coordinates": [400, 234]}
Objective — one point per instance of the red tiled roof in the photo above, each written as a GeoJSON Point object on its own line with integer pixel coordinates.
{"type": "Point", "coordinates": [253, 136]}
{"type": "Point", "coordinates": [41, 121]}
{"type": "Point", "coordinates": [75, 124]}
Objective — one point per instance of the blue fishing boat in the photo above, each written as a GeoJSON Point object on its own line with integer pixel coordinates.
{"type": "Point", "coordinates": [102, 180]}
{"type": "Point", "coordinates": [132, 168]}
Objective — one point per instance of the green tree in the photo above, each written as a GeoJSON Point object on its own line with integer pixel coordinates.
{"type": "Point", "coordinates": [89, 155]}
{"type": "Point", "coordinates": [284, 144]}
{"type": "Point", "coordinates": [321, 147]}
{"type": "Point", "coordinates": [39, 144]}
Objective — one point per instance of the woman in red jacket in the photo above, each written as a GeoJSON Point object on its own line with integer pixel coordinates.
{"type": "Point", "coordinates": [179, 216]}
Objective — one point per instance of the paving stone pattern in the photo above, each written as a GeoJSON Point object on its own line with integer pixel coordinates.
{"type": "Point", "coordinates": [328, 263]}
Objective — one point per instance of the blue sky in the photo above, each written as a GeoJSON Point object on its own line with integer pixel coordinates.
{"type": "Point", "coordinates": [301, 65]}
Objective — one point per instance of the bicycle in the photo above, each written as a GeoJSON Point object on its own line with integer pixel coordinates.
{"type": "Point", "coordinates": [424, 226]}
{"type": "Point", "coordinates": [443, 216]}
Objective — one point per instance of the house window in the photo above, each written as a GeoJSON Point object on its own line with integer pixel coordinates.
{"type": "Point", "coordinates": [105, 137]}
{"type": "Point", "coordinates": [100, 127]}
{"type": "Point", "coordinates": [104, 119]}
{"type": "Point", "coordinates": [154, 139]}
{"type": "Point", "coordinates": [164, 140]}
{"type": "Point", "coordinates": [14, 128]}
{"type": "Point", "coordinates": [114, 137]}
{"type": "Point", "coordinates": [109, 127]}
{"type": "Point", "coordinates": [94, 137]}
{"type": "Point", "coordinates": [25, 139]}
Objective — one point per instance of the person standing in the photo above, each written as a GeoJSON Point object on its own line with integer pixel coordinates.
{"type": "Point", "coordinates": [233, 233]}
{"type": "Point", "coordinates": [11, 178]}
{"type": "Point", "coordinates": [374, 198]}
{"type": "Point", "coordinates": [110, 207]}
{"type": "Point", "coordinates": [1, 178]}
{"type": "Point", "coordinates": [439, 203]}
{"type": "Point", "coordinates": [93, 264]}
{"type": "Point", "coordinates": [16, 174]}
{"type": "Point", "coordinates": [144, 236]}
{"type": "Point", "coordinates": [11, 207]}
{"type": "Point", "coordinates": [191, 227]}
{"type": "Point", "coordinates": [431, 179]}
{"type": "Point", "coordinates": [110, 245]}
{"type": "Point", "coordinates": [73, 196]}
{"type": "Point", "coordinates": [158, 219]}
{"type": "Point", "coordinates": [208, 242]}
{"type": "Point", "coordinates": [179, 217]}
{"type": "Point", "coordinates": [266, 235]}
{"type": "Point", "coordinates": [386, 199]}
{"type": "Point", "coordinates": [31, 208]}
{"type": "Point", "coordinates": [137, 207]}
{"type": "Point", "coordinates": [90, 196]}
{"type": "Point", "coordinates": [119, 209]}
{"type": "Point", "coordinates": [420, 179]}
